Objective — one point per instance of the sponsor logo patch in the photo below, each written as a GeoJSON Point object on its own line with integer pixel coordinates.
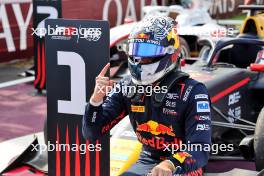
{"type": "Point", "coordinates": [201, 96]}
{"type": "Point", "coordinates": [172, 96]}
{"type": "Point", "coordinates": [167, 111]}
{"type": "Point", "coordinates": [158, 142]}
{"type": "Point", "coordinates": [187, 93]}
{"type": "Point", "coordinates": [202, 117]}
{"type": "Point", "coordinates": [203, 106]}
{"type": "Point", "coordinates": [202, 127]}
{"type": "Point", "coordinates": [137, 108]}
{"type": "Point", "coordinates": [171, 104]}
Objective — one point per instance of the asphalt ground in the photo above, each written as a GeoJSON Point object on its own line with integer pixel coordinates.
{"type": "Point", "coordinates": [22, 111]}
{"type": "Point", "coordinates": [12, 70]}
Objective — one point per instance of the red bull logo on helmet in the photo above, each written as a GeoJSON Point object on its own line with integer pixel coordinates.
{"type": "Point", "coordinates": [155, 128]}
{"type": "Point", "coordinates": [142, 36]}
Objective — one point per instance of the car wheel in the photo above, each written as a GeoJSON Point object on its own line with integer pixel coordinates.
{"type": "Point", "coordinates": [185, 48]}
{"type": "Point", "coordinates": [259, 141]}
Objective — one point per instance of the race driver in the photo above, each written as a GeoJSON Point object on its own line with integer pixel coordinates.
{"type": "Point", "coordinates": [163, 121]}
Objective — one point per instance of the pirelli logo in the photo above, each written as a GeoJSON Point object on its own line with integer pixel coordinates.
{"type": "Point", "coordinates": [137, 108]}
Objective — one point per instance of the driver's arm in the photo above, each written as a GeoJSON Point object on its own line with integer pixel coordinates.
{"type": "Point", "coordinates": [197, 131]}
{"type": "Point", "coordinates": [100, 118]}
{"type": "Point", "coordinates": [101, 115]}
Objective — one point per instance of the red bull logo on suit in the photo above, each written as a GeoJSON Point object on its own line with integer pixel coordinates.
{"type": "Point", "coordinates": [155, 128]}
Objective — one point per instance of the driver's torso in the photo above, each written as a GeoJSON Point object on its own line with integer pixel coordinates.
{"type": "Point", "coordinates": [183, 116]}
{"type": "Point", "coordinates": [159, 127]}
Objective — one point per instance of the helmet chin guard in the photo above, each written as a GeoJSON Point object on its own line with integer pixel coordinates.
{"type": "Point", "coordinates": [145, 74]}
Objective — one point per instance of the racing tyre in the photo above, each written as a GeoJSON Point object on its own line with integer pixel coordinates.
{"type": "Point", "coordinates": [259, 141]}
{"type": "Point", "coordinates": [185, 48]}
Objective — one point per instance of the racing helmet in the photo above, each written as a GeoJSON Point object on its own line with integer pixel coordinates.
{"type": "Point", "coordinates": [155, 39]}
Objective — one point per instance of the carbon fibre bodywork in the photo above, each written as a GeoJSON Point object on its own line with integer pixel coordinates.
{"type": "Point", "coordinates": [223, 85]}
{"type": "Point", "coordinates": [236, 93]}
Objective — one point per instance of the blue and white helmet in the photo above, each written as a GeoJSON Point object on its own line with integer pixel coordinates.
{"type": "Point", "coordinates": [156, 39]}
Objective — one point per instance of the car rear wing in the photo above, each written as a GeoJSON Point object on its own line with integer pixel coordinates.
{"type": "Point", "coordinates": [252, 8]}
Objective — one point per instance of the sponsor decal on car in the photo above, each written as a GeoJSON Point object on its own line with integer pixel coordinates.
{"type": "Point", "coordinates": [234, 98]}
{"type": "Point", "coordinates": [137, 108]}
{"type": "Point", "coordinates": [203, 106]}
{"type": "Point", "coordinates": [201, 96]}
{"type": "Point", "coordinates": [202, 127]}
{"type": "Point", "coordinates": [234, 113]}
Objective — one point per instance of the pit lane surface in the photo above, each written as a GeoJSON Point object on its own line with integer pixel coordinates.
{"type": "Point", "coordinates": [21, 111]}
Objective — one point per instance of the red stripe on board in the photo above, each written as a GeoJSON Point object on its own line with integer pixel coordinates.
{"type": "Point", "coordinates": [43, 80]}
{"type": "Point", "coordinates": [58, 169]}
{"type": "Point", "coordinates": [87, 160]}
{"type": "Point", "coordinates": [77, 155]}
{"type": "Point", "coordinates": [67, 158]}
{"type": "Point", "coordinates": [38, 64]}
{"type": "Point", "coordinates": [230, 89]}
{"type": "Point", "coordinates": [97, 161]}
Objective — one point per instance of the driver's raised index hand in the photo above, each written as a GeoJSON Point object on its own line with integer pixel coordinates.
{"type": "Point", "coordinates": [102, 85]}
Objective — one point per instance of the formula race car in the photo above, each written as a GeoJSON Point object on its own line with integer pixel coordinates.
{"type": "Point", "coordinates": [234, 76]}
{"type": "Point", "coordinates": [252, 25]}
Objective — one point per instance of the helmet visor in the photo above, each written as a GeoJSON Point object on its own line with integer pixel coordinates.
{"type": "Point", "coordinates": [145, 50]}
